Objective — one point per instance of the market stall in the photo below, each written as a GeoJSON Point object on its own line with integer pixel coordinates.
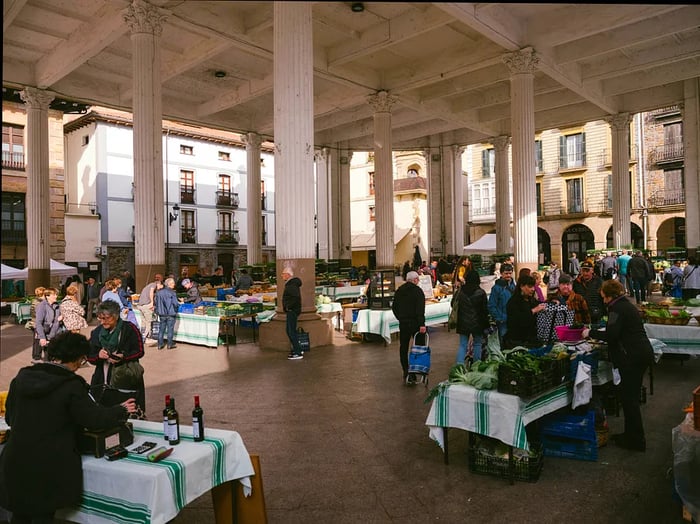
{"type": "Point", "coordinates": [676, 338]}
{"type": "Point", "coordinates": [194, 329]}
{"type": "Point", "coordinates": [383, 322]}
{"type": "Point", "coordinates": [21, 311]}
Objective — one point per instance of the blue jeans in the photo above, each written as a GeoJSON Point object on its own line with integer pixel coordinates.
{"type": "Point", "coordinates": [292, 331]}
{"type": "Point", "coordinates": [464, 343]}
{"type": "Point", "coordinates": [167, 327]}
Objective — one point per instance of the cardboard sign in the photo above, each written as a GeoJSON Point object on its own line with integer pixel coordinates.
{"type": "Point", "coordinates": [426, 284]}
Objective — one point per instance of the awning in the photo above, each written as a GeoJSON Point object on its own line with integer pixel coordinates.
{"type": "Point", "coordinates": [368, 241]}
{"type": "Point", "coordinates": [486, 245]}
{"type": "Point", "coordinates": [11, 273]}
{"type": "Point", "coordinates": [57, 269]}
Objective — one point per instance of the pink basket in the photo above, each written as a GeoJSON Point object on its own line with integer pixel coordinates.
{"type": "Point", "coordinates": [568, 334]}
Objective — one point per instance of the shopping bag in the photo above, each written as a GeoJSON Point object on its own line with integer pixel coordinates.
{"type": "Point", "coordinates": [454, 311]}
{"type": "Point", "coordinates": [155, 327]}
{"type": "Point", "coordinates": [304, 342]}
{"type": "Point", "coordinates": [127, 375]}
{"type": "Point", "coordinates": [553, 315]}
{"type": "Point", "coordinates": [419, 356]}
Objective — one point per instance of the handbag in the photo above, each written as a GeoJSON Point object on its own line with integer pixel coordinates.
{"type": "Point", "coordinates": [553, 315]}
{"type": "Point", "coordinates": [454, 311]}
{"type": "Point", "coordinates": [155, 327]}
{"type": "Point", "coordinates": [419, 356]}
{"type": "Point", "coordinates": [127, 375]}
{"type": "Point", "coordinates": [304, 341]}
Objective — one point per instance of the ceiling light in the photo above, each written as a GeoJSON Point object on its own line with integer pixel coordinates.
{"type": "Point", "coordinates": [357, 7]}
{"type": "Point", "coordinates": [219, 74]}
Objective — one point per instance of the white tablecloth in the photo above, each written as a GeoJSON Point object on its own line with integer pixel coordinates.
{"type": "Point", "coordinates": [343, 292]}
{"type": "Point", "coordinates": [194, 329]}
{"type": "Point", "coordinates": [133, 490]}
{"type": "Point", "coordinates": [21, 311]}
{"type": "Point", "coordinates": [491, 413]}
{"type": "Point", "coordinates": [384, 323]}
{"type": "Point", "coordinates": [678, 339]}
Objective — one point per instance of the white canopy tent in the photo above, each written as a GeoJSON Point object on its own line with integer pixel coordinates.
{"type": "Point", "coordinates": [11, 273]}
{"type": "Point", "coordinates": [57, 269]}
{"type": "Point", "coordinates": [486, 245]}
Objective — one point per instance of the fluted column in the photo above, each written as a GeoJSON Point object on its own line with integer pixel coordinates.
{"type": "Point", "coordinates": [691, 162]}
{"type": "Point", "coordinates": [458, 236]}
{"type": "Point", "coordinates": [254, 198]}
{"type": "Point", "coordinates": [383, 178]}
{"type": "Point", "coordinates": [503, 231]}
{"type": "Point", "coordinates": [621, 209]}
{"type": "Point", "coordinates": [521, 65]}
{"type": "Point", "coordinates": [344, 205]}
{"type": "Point", "coordinates": [38, 206]}
{"type": "Point", "coordinates": [146, 25]}
{"type": "Point", "coordinates": [323, 204]}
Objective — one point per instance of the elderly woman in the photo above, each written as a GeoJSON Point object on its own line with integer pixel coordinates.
{"type": "Point", "coordinates": [115, 294]}
{"type": "Point", "coordinates": [522, 315]}
{"type": "Point", "coordinates": [113, 344]}
{"type": "Point", "coordinates": [31, 324]}
{"type": "Point", "coordinates": [47, 407]}
{"type": "Point", "coordinates": [631, 353]}
{"type": "Point", "coordinates": [48, 319]}
{"type": "Point", "coordinates": [539, 286]}
{"type": "Point", "coordinates": [71, 310]}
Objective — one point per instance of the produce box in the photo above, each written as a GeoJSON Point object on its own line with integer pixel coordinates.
{"type": "Point", "coordinates": [570, 448]}
{"type": "Point", "coordinates": [523, 383]}
{"type": "Point", "coordinates": [186, 308]}
{"type": "Point", "coordinates": [570, 436]}
{"type": "Point", "coordinates": [487, 456]}
{"type": "Point", "coordinates": [216, 311]}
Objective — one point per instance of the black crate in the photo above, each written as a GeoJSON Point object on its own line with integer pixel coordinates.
{"type": "Point", "coordinates": [483, 462]}
{"type": "Point", "coordinates": [523, 384]}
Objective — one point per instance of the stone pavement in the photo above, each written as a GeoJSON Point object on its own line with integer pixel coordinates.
{"type": "Point", "coordinates": [341, 440]}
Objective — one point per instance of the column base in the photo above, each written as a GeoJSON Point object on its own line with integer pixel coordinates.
{"type": "Point", "coordinates": [145, 274]}
{"type": "Point", "coordinates": [273, 334]}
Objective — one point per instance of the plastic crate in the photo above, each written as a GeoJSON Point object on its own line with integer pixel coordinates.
{"type": "Point", "coordinates": [569, 425]}
{"type": "Point", "coordinates": [482, 461]}
{"type": "Point", "coordinates": [570, 448]}
{"type": "Point", "coordinates": [524, 384]}
{"type": "Point", "coordinates": [558, 369]}
{"type": "Point", "coordinates": [186, 308]}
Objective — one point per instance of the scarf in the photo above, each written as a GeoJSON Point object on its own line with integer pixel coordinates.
{"type": "Point", "coordinates": [110, 339]}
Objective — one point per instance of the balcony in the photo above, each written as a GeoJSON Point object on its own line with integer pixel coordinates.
{"type": "Point", "coordinates": [669, 153]}
{"type": "Point", "coordinates": [575, 160]}
{"type": "Point", "coordinates": [227, 199]}
{"type": "Point", "coordinates": [186, 195]}
{"type": "Point", "coordinates": [13, 233]}
{"type": "Point", "coordinates": [410, 185]}
{"type": "Point", "coordinates": [13, 160]}
{"type": "Point", "coordinates": [605, 158]}
{"type": "Point", "coordinates": [188, 235]}
{"type": "Point", "coordinates": [227, 236]}
{"type": "Point", "coordinates": [666, 197]}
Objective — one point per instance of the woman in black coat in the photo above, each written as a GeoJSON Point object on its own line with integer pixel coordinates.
{"type": "Point", "coordinates": [472, 316]}
{"type": "Point", "coordinates": [631, 353]}
{"type": "Point", "coordinates": [47, 407]}
{"type": "Point", "coordinates": [522, 309]}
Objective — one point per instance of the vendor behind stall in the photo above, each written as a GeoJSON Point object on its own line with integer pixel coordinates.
{"type": "Point", "coordinates": [522, 310]}
{"type": "Point", "coordinates": [573, 301]}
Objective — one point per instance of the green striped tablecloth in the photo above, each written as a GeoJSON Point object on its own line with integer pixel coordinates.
{"type": "Point", "coordinates": [194, 329]}
{"type": "Point", "coordinates": [491, 413]}
{"type": "Point", "coordinates": [384, 323]}
{"type": "Point", "coordinates": [21, 311]}
{"type": "Point", "coordinates": [132, 490]}
{"type": "Point", "coordinates": [678, 339]}
{"type": "Point", "coordinates": [344, 292]}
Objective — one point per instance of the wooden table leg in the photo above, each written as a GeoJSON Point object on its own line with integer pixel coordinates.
{"type": "Point", "coordinates": [224, 501]}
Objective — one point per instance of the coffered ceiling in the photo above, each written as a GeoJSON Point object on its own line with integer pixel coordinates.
{"type": "Point", "coordinates": [443, 61]}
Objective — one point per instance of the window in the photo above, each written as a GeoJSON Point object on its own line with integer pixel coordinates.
{"type": "Point", "coordinates": [188, 232]}
{"type": "Point", "coordinates": [12, 147]}
{"type": "Point", "coordinates": [371, 213]}
{"type": "Point", "coordinates": [264, 230]}
{"type": "Point", "coordinates": [572, 151]}
{"type": "Point", "coordinates": [673, 141]}
{"type": "Point", "coordinates": [86, 140]}
{"type": "Point", "coordinates": [539, 162]}
{"type": "Point", "coordinates": [225, 156]}
{"type": "Point", "coordinates": [186, 187]}
{"type": "Point", "coordinates": [610, 192]}
{"type": "Point", "coordinates": [226, 233]}
{"type": "Point", "coordinates": [412, 173]}
{"type": "Point", "coordinates": [370, 176]}
{"type": "Point", "coordinates": [574, 195]}
{"type": "Point", "coordinates": [13, 218]}
{"type": "Point", "coordinates": [186, 150]}
{"type": "Point", "coordinates": [488, 163]}
{"type": "Point", "coordinates": [673, 187]}
{"type": "Point", "coordinates": [538, 196]}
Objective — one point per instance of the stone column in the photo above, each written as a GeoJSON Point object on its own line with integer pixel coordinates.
{"type": "Point", "coordinates": [691, 163]}
{"type": "Point", "coordinates": [458, 236]}
{"type": "Point", "coordinates": [324, 203]}
{"type": "Point", "coordinates": [254, 198]}
{"type": "Point", "coordinates": [383, 178]}
{"type": "Point", "coordinates": [621, 209]}
{"type": "Point", "coordinates": [294, 170]}
{"type": "Point", "coordinates": [435, 227]}
{"type": "Point", "coordinates": [503, 231]}
{"type": "Point", "coordinates": [38, 205]}
{"type": "Point", "coordinates": [522, 66]}
{"type": "Point", "coordinates": [146, 25]}
{"type": "Point", "coordinates": [344, 219]}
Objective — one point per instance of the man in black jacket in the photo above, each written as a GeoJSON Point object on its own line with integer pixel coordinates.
{"type": "Point", "coordinates": [638, 272]}
{"type": "Point", "coordinates": [588, 286]}
{"type": "Point", "coordinates": [409, 310]}
{"type": "Point", "coordinates": [291, 302]}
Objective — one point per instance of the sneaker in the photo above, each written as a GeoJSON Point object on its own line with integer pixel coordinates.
{"type": "Point", "coordinates": [173, 346]}
{"type": "Point", "coordinates": [160, 347]}
{"type": "Point", "coordinates": [411, 380]}
{"type": "Point", "coordinates": [294, 356]}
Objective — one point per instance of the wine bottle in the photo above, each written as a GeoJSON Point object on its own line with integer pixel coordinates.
{"type": "Point", "coordinates": [173, 424]}
{"type": "Point", "coordinates": [197, 421]}
{"type": "Point", "coordinates": [165, 417]}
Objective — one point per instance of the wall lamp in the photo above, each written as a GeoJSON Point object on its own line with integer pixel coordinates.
{"type": "Point", "coordinates": [174, 214]}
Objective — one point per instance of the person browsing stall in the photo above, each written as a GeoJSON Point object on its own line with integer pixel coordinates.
{"type": "Point", "coordinates": [631, 353]}
{"type": "Point", "coordinates": [472, 316]}
{"type": "Point", "coordinates": [47, 407]}
{"type": "Point", "coordinates": [48, 318]}
{"type": "Point", "coordinates": [166, 307]}
{"type": "Point", "coordinates": [573, 301]}
{"type": "Point", "coordinates": [587, 284]}
{"type": "Point", "coordinates": [501, 292]}
{"type": "Point", "coordinates": [409, 309]}
{"type": "Point", "coordinates": [522, 315]}
{"type": "Point", "coordinates": [245, 282]}
{"type": "Point", "coordinates": [193, 295]}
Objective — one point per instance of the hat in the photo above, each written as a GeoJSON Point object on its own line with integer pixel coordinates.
{"type": "Point", "coordinates": [586, 265]}
{"type": "Point", "coordinates": [411, 275]}
{"type": "Point", "coordinates": [185, 281]}
{"type": "Point", "coordinates": [565, 279]}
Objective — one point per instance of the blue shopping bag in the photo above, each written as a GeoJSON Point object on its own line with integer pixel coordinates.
{"type": "Point", "coordinates": [419, 356]}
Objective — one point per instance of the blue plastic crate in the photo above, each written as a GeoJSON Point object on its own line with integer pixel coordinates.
{"type": "Point", "coordinates": [573, 427]}
{"type": "Point", "coordinates": [186, 308]}
{"type": "Point", "coordinates": [564, 447]}
{"type": "Point", "coordinates": [222, 292]}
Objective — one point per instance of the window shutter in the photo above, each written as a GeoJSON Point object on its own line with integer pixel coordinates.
{"type": "Point", "coordinates": [562, 152]}
{"type": "Point", "coordinates": [583, 149]}
{"type": "Point", "coordinates": [485, 168]}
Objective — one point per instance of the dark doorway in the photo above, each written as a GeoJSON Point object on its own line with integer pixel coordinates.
{"type": "Point", "coordinates": [544, 246]}
{"type": "Point", "coordinates": [576, 239]}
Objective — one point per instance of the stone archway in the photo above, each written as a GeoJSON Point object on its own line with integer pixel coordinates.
{"type": "Point", "coordinates": [636, 234]}
{"type": "Point", "coordinates": [578, 239]}
{"type": "Point", "coordinates": [671, 233]}
{"type": "Point", "coordinates": [544, 246]}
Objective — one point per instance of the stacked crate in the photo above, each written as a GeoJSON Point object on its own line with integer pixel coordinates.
{"type": "Point", "coordinates": [570, 436]}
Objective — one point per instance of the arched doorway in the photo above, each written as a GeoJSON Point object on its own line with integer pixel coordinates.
{"type": "Point", "coordinates": [576, 239]}
{"type": "Point", "coordinates": [671, 233]}
{"type": "Point", "coordinates": [636, 233]}
{"type": "Point", "coordinates": [544, 246]}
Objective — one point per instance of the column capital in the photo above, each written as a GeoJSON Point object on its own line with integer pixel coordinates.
{"type": "Point", "coordinates": [426, 154]}
{"type": "Point", "coordinates": [322, 154]}
{"type": "Point", "coordinates": [251, 140]}
{"type": "Point", "coordinates": [37, 98]}
{"type": "Point", "coordinates": [620, 121]}
{"type": "Point", "coordinates": [458, 150]}
{"type": "Point", "coordinates": [382, 101]}
{"type": "Point", "coordinates": [520, 62]}
{"type": "Point", "coordinates": [501, 142]}
{"type": "Point", "coordinates": [142, 17]}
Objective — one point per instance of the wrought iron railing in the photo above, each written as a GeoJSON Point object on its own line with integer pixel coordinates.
{"type": "Point", "coordinates": [666, 197]}
{"type": "Point", "coordinates": [226, 198]}
{"type": "Point", "coordinates": [13, 160]}
{"type": "Point", "coordinates": [188, 235]}
{"type": "Point", "coordinates": [13, 232]}
{"type": "Point", "coordinates": [669, 152]}
{"type": "Point", "coordinates": [227, 236]}
{"type": "Point", "coordinates": [187, 195]}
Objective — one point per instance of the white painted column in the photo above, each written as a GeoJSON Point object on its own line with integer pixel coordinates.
{"type": "Point", "coordinates": [621, 208]}
{"type": "Point", "coordinates": [383, 178]}
{"type": "Point", "coordinates": [457, 239]}
{"type": "Point", "coordinates": [252, 143]}
{"type": "Point", "coordinates": [323, 203]}
{"type": "Point", "coordinates": [344, 204]}
{"type": "Point", "coordinates": [436, 217]}
{"type": "Point", "coordinates": [503, 231]}
{"type": "Point", "coordinates": [146, 25]}
{"type": "Point", "coordinates": [691, 163]}
{"type": "Point", "coordinates": [522, 93]}
{"type": "Point", "coordinates": [38, 205]}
